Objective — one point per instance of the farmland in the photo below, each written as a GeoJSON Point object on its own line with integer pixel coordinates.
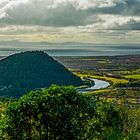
{"type": "Point", "coordinates": [133, 76]}
{"type": "Point", "coordinates": [122, 72]}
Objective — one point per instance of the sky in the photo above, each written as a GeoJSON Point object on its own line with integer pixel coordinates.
{"type": "Point", "coordinates": [88, 21]}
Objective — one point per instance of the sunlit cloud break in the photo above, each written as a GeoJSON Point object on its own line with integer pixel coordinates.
{"type": "Point", "coordinates": [82, 18]}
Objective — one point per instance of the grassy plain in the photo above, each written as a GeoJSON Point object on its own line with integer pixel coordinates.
{"type": "Point", "coordinates": [133, 76]}
{"type": "Point", "coordinates": [109, 79]}
{"type": "Point", "coordinates": [118, 70]}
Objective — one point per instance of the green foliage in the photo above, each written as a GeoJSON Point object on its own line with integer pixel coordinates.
{"type": "Point", "coordinates": [55, 113]}
{"type": "Point", "coordinates": [133, 76]}
{"type": "Point", "coordinates": [61, 113]}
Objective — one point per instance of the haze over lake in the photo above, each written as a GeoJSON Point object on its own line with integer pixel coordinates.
{"type": "Point", "coordinates": [71, 49]}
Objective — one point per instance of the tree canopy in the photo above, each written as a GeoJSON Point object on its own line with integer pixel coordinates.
{"type": "Point", "coordinates": [60, 113]}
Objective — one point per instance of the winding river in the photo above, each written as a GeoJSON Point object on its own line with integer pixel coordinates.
{"type": "Point", "coordinates": [99, 84]}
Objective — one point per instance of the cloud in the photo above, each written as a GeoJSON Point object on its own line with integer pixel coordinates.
{"type": "Point", "coordinates": [119, 22]}
{"type": "Point", "coordinates": [100, 14]}
{"type": "Point", "coordinates": [46, 13]}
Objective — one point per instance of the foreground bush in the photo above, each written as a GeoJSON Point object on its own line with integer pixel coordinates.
{"type": "Point", "coordinates": [63, 114]}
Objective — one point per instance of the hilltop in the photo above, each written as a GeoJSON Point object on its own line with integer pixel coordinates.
{"type": "Point", "coordinates": [26, 71]}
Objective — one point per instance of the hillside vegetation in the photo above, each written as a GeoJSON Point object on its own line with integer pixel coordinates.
{"type": "Point", "coordinates": [26, 71]}
{"type": "Point", "coordinates": [60, 113]}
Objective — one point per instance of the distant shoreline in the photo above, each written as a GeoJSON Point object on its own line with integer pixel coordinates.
{"type": "Point", "coordinates": [69, 49]}
{"type": "Point", "coordinates": [55, 56]}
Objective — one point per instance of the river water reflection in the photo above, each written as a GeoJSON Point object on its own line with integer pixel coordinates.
{"type": "Point", "coordinates": [99, 84]}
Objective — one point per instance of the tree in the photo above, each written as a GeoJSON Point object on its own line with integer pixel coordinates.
{"type": "Point", "coordinates": [54, 113]}
{"type": "Point", "coordinates": [60, 113]}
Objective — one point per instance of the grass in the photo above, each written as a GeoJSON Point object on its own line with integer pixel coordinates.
{"type": "Point", "coordinates": [128, 72]}
{"type": "Point", "coordinates": [110, 79]}
{"type": "Point", "coordinates": [115, 80]}
{"type": "Point", "coordinates": [103, 91]}
{"type": "Point", "coordinates": [102, 62]}
{"type": "Point", "coordinates": [99, 91]}
{"type": "Point", "coordinates": [88, 59]}
{"type": "Point", "coordinates": [137, 71]}
{"type": "Point", "coordinates": [117, 93]}
{"type": "Point", "coordinates": [133, 76]}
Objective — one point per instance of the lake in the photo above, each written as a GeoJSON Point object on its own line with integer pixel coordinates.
{"type": "Point", "coordinates": [97, 50]}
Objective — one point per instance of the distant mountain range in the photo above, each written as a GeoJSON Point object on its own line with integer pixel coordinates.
{"type": "Point", "coordinates": [16, 42]}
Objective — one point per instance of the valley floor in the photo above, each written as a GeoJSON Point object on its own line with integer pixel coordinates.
{"type": "Point", "coordinates": [123, 73]}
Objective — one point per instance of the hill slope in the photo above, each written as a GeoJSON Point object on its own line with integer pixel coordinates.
{"type": "Point", "coordinates": [25, 71]}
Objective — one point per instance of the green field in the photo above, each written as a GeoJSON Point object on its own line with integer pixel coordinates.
{"type": "Point", "coordinates": [133, 76]}
{"type": "Point", "coordinates": [109, 79]}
